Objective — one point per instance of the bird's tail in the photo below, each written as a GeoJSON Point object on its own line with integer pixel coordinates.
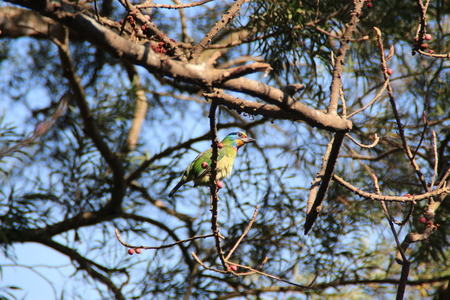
{"type": "Point", "coordinates": [175, 189]}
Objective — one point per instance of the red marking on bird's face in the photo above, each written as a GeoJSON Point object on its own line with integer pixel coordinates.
{"type": "Point", "coordinates": [242, 135]}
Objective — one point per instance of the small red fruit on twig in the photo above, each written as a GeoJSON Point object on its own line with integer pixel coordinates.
{"type": "Point", "coordinates": [138, 250]}
{"type": "Point", "coordinates": [219, 184]}
{"type": "Point", "coordinates": [233, 268]}
{"type": "Point", "coordinates": [389, 71]}
{"type": "Point", "coordinates": [131, 251]}
{"type": "Point", "coordinates": [219, 145]}
{"type": "Point", "coordinates": [369, 4]}
{"type": "Point", "coordinates": [422, 220]}
{"type": "Point", "coordinates": [204, 165]}
{"type": "Point", "coordinates": [428, 36]}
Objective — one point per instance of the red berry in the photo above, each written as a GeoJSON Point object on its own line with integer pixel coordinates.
{"type": "Point", "coordinates": [422, 220]}
{"type": "Point", "coordinates": [147, 17]}
{"type": "Point", "coordinates": [428, 36]}
{"type": "Point", "coordinates": [131, 251]}
{"type": "Point", "coordinates": [389, 71]}
{"type": "Point", "coordinates": [219, 184]}
{"type": "Point", "coordinates": [219, 145]}
{"type": "Point", "coordinates": [233, 268]}
{"type": "Point", "coordinates": [424, 46]}
{"type": "Point", "coordinates": [369, 4]}
{"type": "Point", "coordinates": [408, 195]}
{"type": "Point", "coordinates": [138, 250]}
{"type": "Point", "coordinates": [430, 51]}
{"type": "Point", "coordinates": [204, 165]}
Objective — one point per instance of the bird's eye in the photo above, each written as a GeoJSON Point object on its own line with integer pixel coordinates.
{"type": "Point", "coordinates": [240, 134]}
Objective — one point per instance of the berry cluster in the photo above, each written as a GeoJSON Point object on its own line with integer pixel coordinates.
{"type": "Point", "coordinates": [419, 44]}
{"type": "Point", "coordinates": [131, 251]}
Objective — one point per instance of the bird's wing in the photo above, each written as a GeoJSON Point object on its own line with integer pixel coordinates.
{"type": "Point", "coordinates": [206, 157]}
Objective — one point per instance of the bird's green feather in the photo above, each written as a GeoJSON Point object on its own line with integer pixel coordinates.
{"type": "Point", "coordinates": [200, 173]}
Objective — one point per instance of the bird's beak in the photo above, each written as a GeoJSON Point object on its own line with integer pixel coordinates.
{"type": "Point", "coordinates": [248, 140]}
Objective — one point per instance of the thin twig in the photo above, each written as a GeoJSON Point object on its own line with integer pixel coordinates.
{"type": "Point", "coordinates": [252, 271]}
{"type": "Point", "coordinates": [375, 142]}
{"type": "Point", "coordinates": [119, 238]}
{"type": "Point", "coordinates": [401, 130]}
{"type": "Point", "coordinates": [435, 169]}
{"type": "Point", "coordinates": [244, 233]}
{"type": "Point", "coordinates": [226, 18]}
{"type": "Point", "coordinates": [422, 137]}
{"type": "Point", "coordinates": [388, 216]}
{"type": "Point", "coordinates": [152, 30]}
{"type": "Point", "coordinates": [371, 196]}
{"type": "Point", "coordinates": [378, 95]}
{"type": "Point", "coordinates": [171, 6]}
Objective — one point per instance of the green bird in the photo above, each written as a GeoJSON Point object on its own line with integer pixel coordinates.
{"type": "Point", "coordinates": [199, 170]}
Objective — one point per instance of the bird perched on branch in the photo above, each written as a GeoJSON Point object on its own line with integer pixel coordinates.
{"type": "Point", "coordinates": [199, 170]}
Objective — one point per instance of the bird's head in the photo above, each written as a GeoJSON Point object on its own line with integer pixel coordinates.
{"type": "Point", "coordinates": [237, 139]}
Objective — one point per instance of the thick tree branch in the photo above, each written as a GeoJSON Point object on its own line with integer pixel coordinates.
{"type": "Point", "coordinates": [140, 110]}
{"type": "Point", "coordinates": [322, 181]}
{"type": "Point", "coordinates": [199, 75]}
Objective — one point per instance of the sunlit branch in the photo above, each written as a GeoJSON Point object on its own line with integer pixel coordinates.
{"type": "Point", "coordinates": [375, 142]}
{"type": "Point", "coordinates": [434, 55]}
{"type": "Point", "coordinates": [183, 20]}
{"type": "Point", "coordinates": [371, 196]}
{"type": "Point", "coordinates": [226, 18]}
{"type": "Point", "coordinates": [140, 110]}
{"type": "Point", "coordinates": [336, 83]}
{"type": "Point", "coordinates": [436, 160]}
